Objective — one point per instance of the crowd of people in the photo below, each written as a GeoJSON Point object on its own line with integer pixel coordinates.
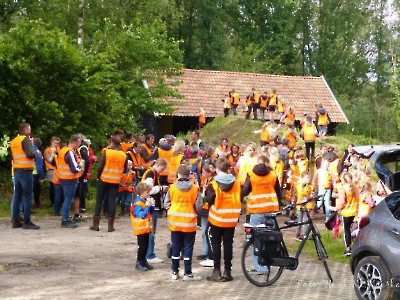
{"type": "Point", "coordinates": [195, 185]}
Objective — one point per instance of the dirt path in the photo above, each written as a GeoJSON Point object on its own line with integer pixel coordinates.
{"type": "Point", "coordinates": [57, 263]}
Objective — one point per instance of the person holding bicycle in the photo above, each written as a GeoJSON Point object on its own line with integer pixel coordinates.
{"type": "Point", "coordinates": [303, 191]}
{"type": "Point", "coordinates": [263, 191]}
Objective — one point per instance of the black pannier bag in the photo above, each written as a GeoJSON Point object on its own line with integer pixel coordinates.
{"type": "Point", "coordinates": [268, 244]}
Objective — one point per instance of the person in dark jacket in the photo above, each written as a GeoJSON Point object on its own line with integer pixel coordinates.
{"type": "Point", "coordinates": [38, 173]}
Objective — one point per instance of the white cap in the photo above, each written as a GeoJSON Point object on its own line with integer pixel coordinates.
{"type": "Point", "coordinates": [163, 141]}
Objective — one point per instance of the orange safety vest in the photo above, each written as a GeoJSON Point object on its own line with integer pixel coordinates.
{"type": "Point", "coordinates": [246, 166]}
{"type": "Point", "coordinates": [256, 97]}
{"type": "Point", "coordinates": [364, 208]}
{"type": "Point", "coordinates": [49, 166]}
{"type": "Point", "coordinates": [63, 169]}
{"type": "Point", "coordinates": [279, 167]}
{"type": "Point", "coordinates": [352, 202]}
{"type": "Point", "coordinates": [202, 117]}
{"type": "Point", "coordinates": [296, 173]}
{"type": "Point", "coordinates": [20, 160]}
{"type": "Point", "coordinates": [308, 190]}
{"type": "Point", "coordinates": [225, 211]}
{"type": "Point", "coordinates": [264, 135]}
{"type": "Point", "coordinates": [281, 106]}
{"type": "Point", "coordinates": [303, 165]}
{"type": "Point", "coordinates": [291, 136]}
{"type": "Point", "coordinates": [126, 184]}
{"type": "Point", "coordinates": [136, 160]}
{"type": "Point", "coordinates": [166, 154]}
{"type": "Point", "coordinates": [325, 179]}
{"type": "Point", "coordinates": [262, 198]}
{"type": "Point", "coordinates": [139, 225]}
{"type": "Point", "coordinates": [228, 149]}
{"type": "Point", "coordinates": [147, 164]}
{"type": "Point", "coordinates": [309, 133]}
{"type": "Point", "coordinates": [323, 119]}
{"type": "Point", "coordinates": [155, 178]}
{"type": "Point", "coordinates": [229, 103]}
{"type": "Point", "coordinates": [272, 99]}
{"type": "Point", "coordinates": [125, 146]}
{"type": "Point", "coordinates": [263, 102]}
{"type": "Point", "coordinates": [333, 168]}
{"type": "Point", "coordinates": [55, 180]}
{"type": "Point", "coordinates": [289, 117]}
{"type": "Point", "coordinates": [114, 167]}
{"type": "Point", "coordinates": [236, 99]}
{"type": "Point", "coordinates": [181, 215]}
{"type": "Point", "coordinates": [174, 163]}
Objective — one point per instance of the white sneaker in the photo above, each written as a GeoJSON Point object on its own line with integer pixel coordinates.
{"type": "Point", "coordinates": [191, 277]}
{"type": "Point", "coordinates": [207, 263]}
{"type": "Point", "coordinates": [155, 260]}
{"type": "Point", "coordinates": [175, 276]}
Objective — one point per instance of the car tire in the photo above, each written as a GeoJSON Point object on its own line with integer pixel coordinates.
{"type": "Point", "coordinates": [372, 276]}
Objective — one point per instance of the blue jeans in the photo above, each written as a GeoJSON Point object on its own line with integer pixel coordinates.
{"type": "Point", "coordinates": [23, 193]}
{"type": "Point", "coordinates": [69, 193]}
{"type": "Point", "coordinates": [257, 219]}
{"type": "Point", "coordinates": [204, 222]}
{"type": "Point", "coordinates": [327, 200]}
{"type": "Point", "coordinates": [58, 197]}
{"type": "Point", "coordinates": [21, 205]}
{"type": "Point", "coordinates": [183, 240]}
{"type": "Point", "coordinates": [125, 198]}
{"type": "Point", "coordinates": [150, 250]}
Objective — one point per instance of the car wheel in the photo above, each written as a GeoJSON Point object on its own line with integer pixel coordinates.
{"type": "Point", "coordinates": [372, 279]}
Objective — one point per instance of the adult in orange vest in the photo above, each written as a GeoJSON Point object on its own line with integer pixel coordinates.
{"type": "Point", "coordinates": [227, 105]}
{"type": "Point", "coordinates": [23, 157]}
{"type": "Point", "coordinates": [263, 195]}
{"type": "Point", "coordinates": [151, 176]}
{"type": "Point", "coordinates": [49, 155]}
{"type": "Point", "coordinates": [112, 164]}
{"type": "Point", "coordinates": [183, 202]}
{"type": "Point", "coordinates": [69, 169]}
{"type": "Point", "coordinates": [223, 197]}
{"type": "Point", "coordinates": [322, 119]}
{"type": "Point", "coordinates": [133, 154]}
{"type": "Point", "coordinates": [147, 151]}
{"type": "Point", "coordinates": [309, 134]}
{"type": "Point", "coordinates": [289, 116]}
{"type": "Point", "coordinates": [348, 207]}
{"type": "Point", "coordinates": [272, 103]}
{"type": "Point", "coordinates": [164, 150]}
{"type": "Point", "coordinates": [235, 101]}
{"type": "Point", "coordinates": [281, 106]}
{"type": "Point", "coordinates": [264, 99]}
{"type": "Point", "coordinates": [202, 118]}
{"type": "Point", "coordinates": [125, 146]}
{"type": "Point", "coordinates": [253, 104]}
{"type": "Point", "coordinates": [141, 219]}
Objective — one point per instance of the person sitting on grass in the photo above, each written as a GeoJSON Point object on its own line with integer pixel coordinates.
{"type": "Point", "coordinates": [141, 217]}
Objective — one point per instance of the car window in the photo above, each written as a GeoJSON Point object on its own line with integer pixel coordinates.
{"type": "Point", "coordinates": [393, 203]}
{"type": "Point", "coordinates": [391, 160]}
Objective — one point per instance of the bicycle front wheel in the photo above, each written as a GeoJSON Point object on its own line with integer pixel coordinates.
{"type": "Point", "coordinates": [322, 254]}
{"type": "Point", "coordinates": [265, 275]}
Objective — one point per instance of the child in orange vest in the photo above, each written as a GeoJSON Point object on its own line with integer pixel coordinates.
{"type": "Point", "coordinates": [183, 202]}
{"type": "Point", "coordinates": [126, 190]}
{"type": "Point", "coordinates": [291, 135]}
{"type": "Point", "coordinates": [302, 191]}
{"type": "Point", "coordinates": [141, 213]}
{"type": "Point", "coordinates": [366, 204]}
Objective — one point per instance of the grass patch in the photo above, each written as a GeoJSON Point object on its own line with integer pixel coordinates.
{"type": "Point", "coordinates": [334, 247]}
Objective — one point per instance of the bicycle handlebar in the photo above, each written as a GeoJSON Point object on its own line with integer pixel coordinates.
{"type": "Point", "coordinates": [290, 206]}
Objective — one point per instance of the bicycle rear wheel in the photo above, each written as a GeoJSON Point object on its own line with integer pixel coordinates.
{"type": "Point", "coordinates": [260, 279]}
{"type": "Point", "coordinates": [322, 254]}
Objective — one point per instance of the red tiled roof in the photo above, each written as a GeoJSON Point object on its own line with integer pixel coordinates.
{"type": "Point", "coordinates": [206, 89]}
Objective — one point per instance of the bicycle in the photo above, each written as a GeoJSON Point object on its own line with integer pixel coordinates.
{"type": "Point", "coordinates": [266, 247]}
